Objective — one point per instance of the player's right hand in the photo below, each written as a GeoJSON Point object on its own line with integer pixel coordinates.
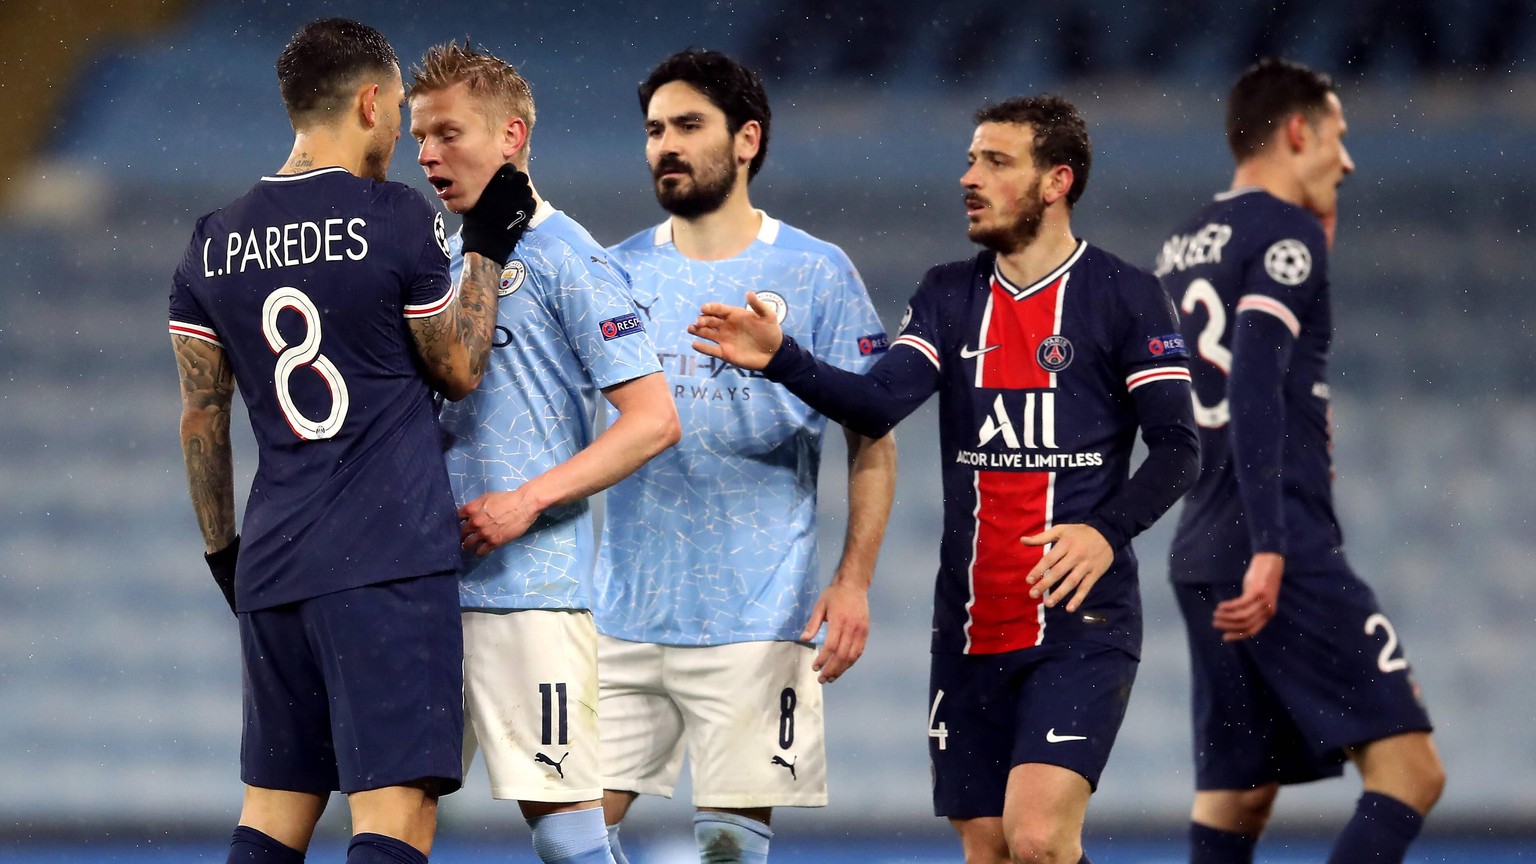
{"type": "Point", "coordinates": [497, 221]}
{"type": "Point", "coordinates": [743, 337]}
{"type": "Point", "coordinates": [1245, 615]}
{"type": "Point", "coordinates": [222, 565]}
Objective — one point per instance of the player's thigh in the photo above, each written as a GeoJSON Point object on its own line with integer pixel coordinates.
{"type": "Point", "coordinates": [753, 723]}
{"type": "Point", "coordinates": [286, 745]}
{"type": "Point", "coordinates": [531, 696]}
{"type": "Point", "coordinates": [640, 729]}
{"type": "Point", "coordinates": [392, 655]}
{"type": "Point", "coordinates": [1244, 737]}
{"type": "Point", "coordinates": [1337, 663]}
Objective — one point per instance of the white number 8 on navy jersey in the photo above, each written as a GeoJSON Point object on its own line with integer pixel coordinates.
{"type": "Point", "coordinates": [306, 353]}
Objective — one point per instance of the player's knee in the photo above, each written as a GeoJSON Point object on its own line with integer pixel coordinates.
{"type": "Point", "coordinates": [1407, 768]}
{"type": "Point", "coordinates": [1239, 811]}
{"type": "Point", "coordinates": [1040, 844]}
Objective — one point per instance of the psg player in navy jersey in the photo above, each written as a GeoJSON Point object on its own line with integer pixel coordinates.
{"type": "Point", "coordinates": [1047, 354]}
{"type": "Point", "coordinates": [323, 293]}
{"type": "Point", "coordinates": [1292, 675]}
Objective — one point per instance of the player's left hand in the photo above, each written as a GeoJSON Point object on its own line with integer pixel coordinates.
{"type": "Point", "coordinates": [494, 520]}
{"type": "Point", "coordinates": [1078, 556]}
{"type": "Point", "coordinates": [745, 337]}
{"type": "Point", "coordinates": [844, 608]}
{"type": "Point", "coordinates": [1244, 616]}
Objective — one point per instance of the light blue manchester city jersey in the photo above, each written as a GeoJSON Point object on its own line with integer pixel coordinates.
{"type": "Point", "coordinates": [714, 540]}
{"type": "Point", "coordinates": [566, 329]}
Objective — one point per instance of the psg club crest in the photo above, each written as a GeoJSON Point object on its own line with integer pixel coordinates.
{"type": "Point", "coordinates": [512, 278]}
{"type": "Point", "coordinates": [1054, 354]}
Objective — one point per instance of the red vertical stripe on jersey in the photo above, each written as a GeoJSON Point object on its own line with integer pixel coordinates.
{"type": "Point", "coordinates": [1011, 504]}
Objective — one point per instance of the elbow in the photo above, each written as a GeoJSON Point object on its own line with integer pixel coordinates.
{"type": "Point", "coordinates": [668, 429]}
{"type": "Point", "coordinates": [455, 387]}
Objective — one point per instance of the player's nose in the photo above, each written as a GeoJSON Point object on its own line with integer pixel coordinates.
{"type": "Point", "coordinates": [1345, 160]}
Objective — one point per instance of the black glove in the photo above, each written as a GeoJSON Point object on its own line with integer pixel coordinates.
{"type": "Point", "coordinates": [222, 565]}
{"type": "Point", "coordinates": [497, 221]}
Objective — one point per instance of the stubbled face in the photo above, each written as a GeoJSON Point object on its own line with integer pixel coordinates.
{"type": "Point", "coordinates": [459, 148]}
{"type": "Point", "coordinates": [691, 151]}
{"type": "Point", "coordinates": [1003, 204]}
{"type": "Point", "coordinates": [381, 143]}
{"type": "Point", "coordinates": [1324, 162]}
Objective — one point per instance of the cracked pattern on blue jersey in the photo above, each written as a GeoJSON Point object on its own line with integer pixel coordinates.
{"type": "Point", "coordinates": [561, 338]}
{"type": "Point", "coordinates": [714, 540]}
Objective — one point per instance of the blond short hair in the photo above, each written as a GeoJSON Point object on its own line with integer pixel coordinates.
{"type": "Point", "coordinates": [494, 83]}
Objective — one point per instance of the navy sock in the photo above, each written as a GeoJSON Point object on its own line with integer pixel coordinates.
{"type": "Point", "coordinates": [1380, 832]}
{"type": "Point", "coordinates": [726, 838]}
{"type": "Point", "coordinates": [378, 849]}
{"type": "Point", "coordinates": [1209, 845]}
{"type": "Point", "coordinates": [249, 846]}
{"type": "Point", "coordinates": [572, 837]}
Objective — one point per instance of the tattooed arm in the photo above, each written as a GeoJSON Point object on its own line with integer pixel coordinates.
{"type": "Point", "coordinates": [207, 388]}
{"type": "Point", "coordinates": [456, 343]}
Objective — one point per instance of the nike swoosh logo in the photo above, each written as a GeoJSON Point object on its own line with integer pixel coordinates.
{"type": "Point", "coordinates": [968, 353]}
{"type": "Point", "coordinates": [1052, 738]}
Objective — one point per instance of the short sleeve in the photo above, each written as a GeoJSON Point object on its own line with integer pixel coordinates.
{"type": "Point", "coordinates": [849, 334]}
{"type": "Point", "coordinates": [602, 323]}
{"type": "Point", "coordinates": [421, 233]}
{"type": "Point", "coordinates": [187, 316]}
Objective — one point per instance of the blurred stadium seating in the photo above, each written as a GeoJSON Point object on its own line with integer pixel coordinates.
{"type": "Point", "coordinates": [119, 675]}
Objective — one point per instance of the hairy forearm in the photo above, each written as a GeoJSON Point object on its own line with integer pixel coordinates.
{"type": "Point", "coordinates": [871, 489]}
{"type": "Point", "coordinates": [455, 345]}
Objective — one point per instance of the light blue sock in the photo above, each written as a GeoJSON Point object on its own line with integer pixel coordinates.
{"type": "Point", "coordinates": [614, 847]}
{"type": "Point", "coordinates": [726, 838]}
{"type": "Point", "coordinates": [573, 837]}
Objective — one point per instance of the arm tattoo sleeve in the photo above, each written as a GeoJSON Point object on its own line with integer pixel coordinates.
{"type": "Point", "coordinates": [455, 345]}
{"type": "Point", "coordinates": [207, 389]}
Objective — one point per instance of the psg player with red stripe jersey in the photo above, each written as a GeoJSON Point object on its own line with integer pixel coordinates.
{"type": "Point", "coordinates": [1048, 354]}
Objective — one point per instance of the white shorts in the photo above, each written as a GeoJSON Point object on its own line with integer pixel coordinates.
{"type": "Point", "coordinates": [530, 702]}
{"type": "Point", "coordinates": [749, 715]}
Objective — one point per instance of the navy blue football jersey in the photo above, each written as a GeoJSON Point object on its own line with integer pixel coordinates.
{"type": "Point", "coordinates": [1041, 391]}
{"type": "Point", "coordinates": [1250, 273]}
{"type": "Point", "coordinates": [306, 282]}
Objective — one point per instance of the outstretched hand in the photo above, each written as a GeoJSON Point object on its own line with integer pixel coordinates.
{"type": "Point", "coordinates": [1245, 615]}
{"type": "Point", "coordinates": [743, 337]}
{"type": "Point", "coordinates": [1078, 556]}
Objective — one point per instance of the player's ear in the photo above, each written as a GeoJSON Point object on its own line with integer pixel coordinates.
{"type": "Point", "coordinates": [1297, 129]}
{"type": "Point", "coordinates": [514, 137]}
{"type": "Point", "coordinates": [1058, 182]}
{"type": "Point", "coordinates": [748, 139]}
{"type": "Point", "coordinates": [368, 105]}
